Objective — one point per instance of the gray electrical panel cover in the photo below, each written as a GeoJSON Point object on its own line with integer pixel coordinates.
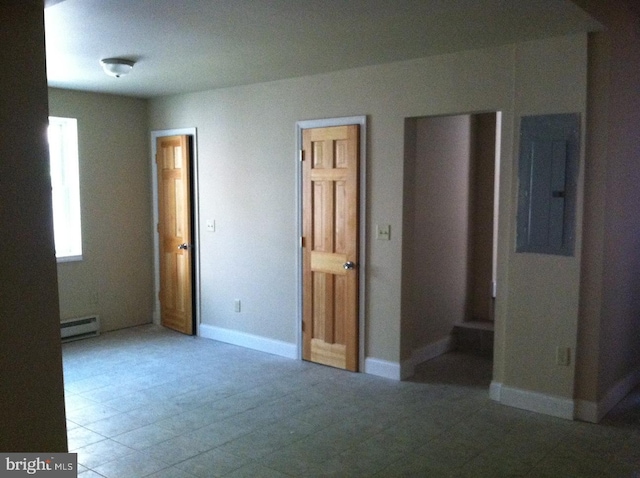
{"type": "Point", "coordinates": [548, 173]}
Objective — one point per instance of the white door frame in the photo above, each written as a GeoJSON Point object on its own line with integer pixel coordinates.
{"type": "Point", "coordinates": [195, 205]}
{"type": "Point", "coordinates": [362, 255]}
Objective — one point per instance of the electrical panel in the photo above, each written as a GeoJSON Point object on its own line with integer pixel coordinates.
{"type": "Point", "coordinates": [548, 177]}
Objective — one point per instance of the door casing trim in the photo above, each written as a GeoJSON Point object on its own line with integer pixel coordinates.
{"type": "Point", "coordinates": [362, 230]}
{"type": "Point", "coordinates": [195, 205]}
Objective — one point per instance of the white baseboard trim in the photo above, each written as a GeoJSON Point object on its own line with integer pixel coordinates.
{"type": "Point", "coordinates": [532, 401]}
{"type": "Point", "coordinates": [494, 391]}
{"type": "Point", "coordinates": [618, 392]}
{"type": "Point", "coordinates": [382, 368]}
{"type": "Point", "coordinates": [587, 411]}
{"type": "Point", "coordinates": [255, 342]}
{"type": "Point", "coordinates": [423, 354]}
{"type": "Point", "coordinates": [593, 412]}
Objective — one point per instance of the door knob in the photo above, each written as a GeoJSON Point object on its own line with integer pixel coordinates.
{"type": "Point", "coordinates": [184, 246]}
{"type": "Point", "coordinates": [349, 265]}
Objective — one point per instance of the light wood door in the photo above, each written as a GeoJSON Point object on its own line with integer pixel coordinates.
{"type": "Point", "coordinates": [330, 246]}
{"type": "Point", "coordinates": [174, 228]}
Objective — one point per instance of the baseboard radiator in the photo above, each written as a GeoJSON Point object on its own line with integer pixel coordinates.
{"type": "Point", "coordinates": [79, 328]}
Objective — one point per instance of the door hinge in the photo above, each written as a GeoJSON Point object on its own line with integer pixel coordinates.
{"type": "Point", "coordinates": [158, 228]}
{"type": "Point", "coordinates": [301, 241]}
{"type": "Point", "coordinates": [301, 155]}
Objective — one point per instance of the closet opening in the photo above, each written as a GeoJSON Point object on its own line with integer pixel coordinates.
{"type": "Point", "coordinates": [450, 215]}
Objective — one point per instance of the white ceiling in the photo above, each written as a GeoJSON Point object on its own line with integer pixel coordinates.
{"type": "Point", "coordinates": [193, 45]}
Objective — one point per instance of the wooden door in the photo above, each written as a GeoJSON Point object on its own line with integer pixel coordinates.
{"type": "Point", "coordinates": [174, 228]}
{"type": "Point", "coordinates": [330, 246]}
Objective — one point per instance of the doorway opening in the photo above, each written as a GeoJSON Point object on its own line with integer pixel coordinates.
{"type": "Point", "coordinates": [450, 235]}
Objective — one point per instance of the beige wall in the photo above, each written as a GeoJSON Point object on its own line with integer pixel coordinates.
{"type": "Point", "coordinates": [620, 327]}
{"type": "Point", "coordinates": [483, 166]}
{"type": "Point", "coordinates": [32, 417]}
{"type": "Point", "coordinates": [436, 251]}
{"type": "Point", "coordinates": [609, 355]}
{"type": "Point", "coordinates": [537, 306]}
{"type": "Point", "coordinates": [115, 277]}
{"type": "Point", "coordinates": [247, 173]}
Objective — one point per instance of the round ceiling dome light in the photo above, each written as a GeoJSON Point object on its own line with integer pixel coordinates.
{"type": "Point", "coordinates": [117, 66]}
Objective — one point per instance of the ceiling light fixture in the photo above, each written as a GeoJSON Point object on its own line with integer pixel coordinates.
{"type": "Point", "coordinates": [117, 66]}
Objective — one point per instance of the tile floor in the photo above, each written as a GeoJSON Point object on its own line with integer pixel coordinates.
{"type": "Point", "coordinates": [150, 402]}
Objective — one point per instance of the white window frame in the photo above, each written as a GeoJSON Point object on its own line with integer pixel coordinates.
{"type": "Point", "coordinates": [65, 187]}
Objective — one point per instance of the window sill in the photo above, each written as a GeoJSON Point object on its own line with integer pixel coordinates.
{"type": "Point", "coordinates": [69, 259]}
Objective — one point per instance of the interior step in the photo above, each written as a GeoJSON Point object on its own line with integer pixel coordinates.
{"type": "Point", "coordinates": [474, 337]}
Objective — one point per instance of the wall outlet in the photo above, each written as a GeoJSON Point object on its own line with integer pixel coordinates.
{"type": "Point", "coordinates": [237, 305]}
{"type": "Point", "coordinates": [211, 225]}
{"type": "Point", "coordinates": [563, 356]}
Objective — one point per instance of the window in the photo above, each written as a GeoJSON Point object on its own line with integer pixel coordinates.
{"type": "Point", "coordinates": [65, 183]}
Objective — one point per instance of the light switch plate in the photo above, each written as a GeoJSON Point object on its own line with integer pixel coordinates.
{"type": "Point", "coordinates": [383, 232]}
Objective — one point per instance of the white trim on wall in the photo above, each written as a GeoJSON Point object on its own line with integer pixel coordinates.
{"type": "Point", "coordinates": [593, 412]}
{"type": "Point", "coordinates": [255, 342]}
{"type": "Point", "coordinates": [423, 354]}
{"type": "Point", "coordinates": [382, 368]}
{"type": "Point", "coordinates": [323, 123]}
{"type": "Point", "coordinates": [196, 219]}
{"type": "Point", "coordinates": [585, 410]}
{"type": "Point", "coordinates": [532, 401]}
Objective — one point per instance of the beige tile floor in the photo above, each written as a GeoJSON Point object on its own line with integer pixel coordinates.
{"type": "Point", "coordinates": [150, 402]}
